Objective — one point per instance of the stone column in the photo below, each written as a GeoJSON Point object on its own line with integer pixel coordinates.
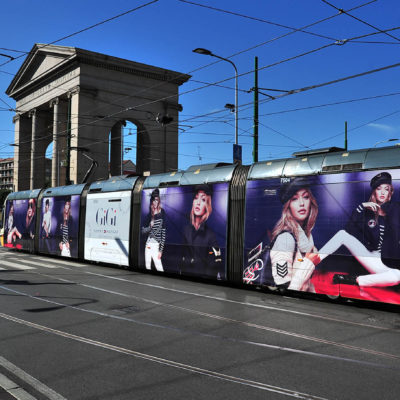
{"type": "Point", "coordinates": [22, 141]}
{"type": "Point", "coordinates": [34, 155]}
{"type": "Point", "coordinates": [116, 149]}
{"type": "Point", "coordinates": [74, 108]}
{"type": "Point", "coordinates": [55, 162]}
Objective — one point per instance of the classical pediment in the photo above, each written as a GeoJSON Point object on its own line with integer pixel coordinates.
{"type": "Point", "coordinates": [43, 61]}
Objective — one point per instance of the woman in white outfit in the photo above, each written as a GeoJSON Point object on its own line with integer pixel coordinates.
{"type": "Point", "coordinates": [369, 229]}
{"type": "Point", "coordinates": [155, 229]}
{"type": "Point", "coordinates": [292, 239]}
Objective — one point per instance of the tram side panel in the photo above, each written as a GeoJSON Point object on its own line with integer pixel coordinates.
{"type": "Point", "coordinates": [20, 222]}
{"type": "Point", "coordinates": [184, 230]}
{"type": "Point", "coordinates": [107, 227]}
{"type": "Point", "coordinates": [59, 225]}
{"type": "Point", "coordinates": [320, 234]}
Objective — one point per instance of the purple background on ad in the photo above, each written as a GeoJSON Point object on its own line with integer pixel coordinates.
{"type": "Point", "coordinates": [51, 245]}
{"type": "Point", "coordinates": [337, 196]}
{"type": "Point", "coordinates": [177, 204]}
{"type": "Point", "coordinates": [20, 212]}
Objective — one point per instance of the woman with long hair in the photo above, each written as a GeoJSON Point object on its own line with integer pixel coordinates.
{"type": "Point", "coordinates": [201, 252]}
{"type": "Point", "coordinates": [30, 219]}
{"type": "Point", "coordinates": [155, 230]}
{"type": "Point", "coordinates": [370, 230]}
{"type": "Point", "coordinates": [64, 229]}
{"type": "Point", "coordinates": [292, 240]}
{"type": "Point", "coordinates": [12, 230]}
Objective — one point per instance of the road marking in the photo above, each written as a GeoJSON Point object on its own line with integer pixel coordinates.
{"type": "Point", "coordinates": [15, 265]}
{"type": "Point", "coordinates": [37, 385]}
{"type": "Point", "coordinates": [172, 328]}
{"type": "Point", "coordinates": [14, 390]}
{"type": "Point", "coordinates": [244, 303]}
{"type": "Point", "coordinates": [64, 262]}
{"type": "Point", "coordinates": [40, 264]}
{"type": "Point", "coordinates": [166, 362]}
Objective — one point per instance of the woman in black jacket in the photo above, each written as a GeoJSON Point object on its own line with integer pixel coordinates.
{"type": "Point", "coordinates": [371, 234]}
{"type": "Point", "coordinates": [201, 252]}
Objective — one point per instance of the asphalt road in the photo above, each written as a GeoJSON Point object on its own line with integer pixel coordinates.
{"type": "Point", "coordinates": [71, 330]}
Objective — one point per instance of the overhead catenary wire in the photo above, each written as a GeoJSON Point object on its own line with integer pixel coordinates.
{"type": "Point", "coordinates": [93, 26]}
{"type": "Point", "coordinates": [360, 20]}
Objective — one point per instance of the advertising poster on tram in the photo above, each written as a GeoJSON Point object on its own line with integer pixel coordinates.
{"type": "Point", "coordinates": [184, 230]}
{"type": "Point", "coordinates": [326, 234]}
{"type": "Point", "coordinates": [20, 221]}
{"type": "Point", "coordinates": [107, 227]}
{"type": "Point", "coordinates": [59, 226]}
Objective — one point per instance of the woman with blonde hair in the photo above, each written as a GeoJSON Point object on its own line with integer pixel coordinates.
{"type": "Point", "coordinates": [201, 252]}
{"type": "Point", "coordinates": [292, 241]}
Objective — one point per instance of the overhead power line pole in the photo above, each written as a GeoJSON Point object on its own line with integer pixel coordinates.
{"type": "Point", "coordinates": [255, 126]}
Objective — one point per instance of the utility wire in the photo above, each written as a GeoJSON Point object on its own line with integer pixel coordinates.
{"type": "Point", "coordinates": [258, 19]}
{"type": "Point", "coordinates": [360, 20]}
{"type": "Point", "coordinates": [217, 83]}
{"type": "Point", "coordinates": [93, 26]}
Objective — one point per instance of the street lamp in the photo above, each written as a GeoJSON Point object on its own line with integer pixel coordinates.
{"type": "Point", "coordinates": [385, 141]}
{"type": "Point", "coordinates": [209, 53]}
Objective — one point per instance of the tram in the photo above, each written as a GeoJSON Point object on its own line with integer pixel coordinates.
{"type": "Point", "coordinates": [325, 221]}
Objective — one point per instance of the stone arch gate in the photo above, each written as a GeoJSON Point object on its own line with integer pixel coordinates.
{"type": "Point", "coordinates": [75, 98]}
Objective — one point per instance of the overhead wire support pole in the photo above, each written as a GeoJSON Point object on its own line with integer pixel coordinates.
{"type": "Point", "coordinates": [255, 127]}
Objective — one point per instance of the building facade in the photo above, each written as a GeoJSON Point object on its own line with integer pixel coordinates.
{"type": "Point", "coordinates": [79, 101]}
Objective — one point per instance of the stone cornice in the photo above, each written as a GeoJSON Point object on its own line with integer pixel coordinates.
{"type": "Point", "coordinates": [168, 76]}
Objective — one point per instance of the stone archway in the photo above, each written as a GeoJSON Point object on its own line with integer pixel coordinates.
{"type": "Point", "coordinates": [74, 98]}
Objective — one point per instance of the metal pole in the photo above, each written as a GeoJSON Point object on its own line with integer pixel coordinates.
{"type": "Point", "coordinates": [255, 127]}
{"type": "Point", "coordinates": [345, 135]}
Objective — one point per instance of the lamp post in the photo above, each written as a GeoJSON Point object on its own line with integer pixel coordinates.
{"type": "Point", "coordinates": [209, 53]}
{"type": "Point", "coordinates": [385, 141]}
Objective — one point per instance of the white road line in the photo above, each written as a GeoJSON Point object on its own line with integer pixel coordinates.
{"type": "Point", "coordinates": [244, 303]}
{"type": "Point", "coordinates": [64, 262]}
{"type": "Point", "coordinates": [168, 363]}
{"type": "Point", "coordinates": [14, 390]}
{"type": "Point", "coordinates": [15, 265]}
{"type": "Point", "coordinates": [33, 382]}
{"type": "Point", "coordinates": [40, 264]}
{"type": "Point", "coordinates": [154, 325]}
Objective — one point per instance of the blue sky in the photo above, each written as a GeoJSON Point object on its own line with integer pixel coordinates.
{"type": "Point", "coordinates": [165, 33]}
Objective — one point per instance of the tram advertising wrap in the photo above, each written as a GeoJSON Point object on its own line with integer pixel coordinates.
{"type": "Point", "coordinates": [59, 225]}
{"type": "Point", "coordinates": [20, 220]}
{"type": "Point", "coordinates": [323, 232]}
{"type": "Point", "coordinates": [183, 230]}
{"type": "Point", "coordinates": [107, 227]}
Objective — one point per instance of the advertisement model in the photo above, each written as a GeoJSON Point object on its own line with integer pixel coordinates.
{"type": "Point", "coordinates": [59, 225]}
{"type": "Point", "coordinates": [20, 222]}
{"type": "Point", "coordinates": [353, 219]}
{"type": "Point", "coordinates": [183, 230]}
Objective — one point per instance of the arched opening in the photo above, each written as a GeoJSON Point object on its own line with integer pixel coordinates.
{"type": "Point", "coordinates": [122, 148]}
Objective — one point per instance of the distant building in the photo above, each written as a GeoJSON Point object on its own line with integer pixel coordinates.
{"type": "Point", "coordinates": [128, 167]}
{"type": "Point", "coordinates": [7, 173]}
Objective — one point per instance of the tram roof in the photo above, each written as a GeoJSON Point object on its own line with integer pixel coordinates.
{"type": "Point", "coordinates": [114, 184]}
{"type": "Point", "coordinates": [194, 175]}
{"type": "Point", "coordinates": [25, 194]}
{"type": "Point", "coordinates": [325, 161]}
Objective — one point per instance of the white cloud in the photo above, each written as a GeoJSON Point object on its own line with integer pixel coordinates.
{"type": "Point", "coordinates": [383, 127]}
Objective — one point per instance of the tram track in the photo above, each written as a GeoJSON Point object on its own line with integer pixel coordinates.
{"type": "Point", "coordinates": [232, 321]}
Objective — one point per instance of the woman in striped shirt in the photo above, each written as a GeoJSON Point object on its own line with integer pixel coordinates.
{"type": "Point", "coordinates": [64, 228]}
{"type": "Point", "coordinates": [155, 230]}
